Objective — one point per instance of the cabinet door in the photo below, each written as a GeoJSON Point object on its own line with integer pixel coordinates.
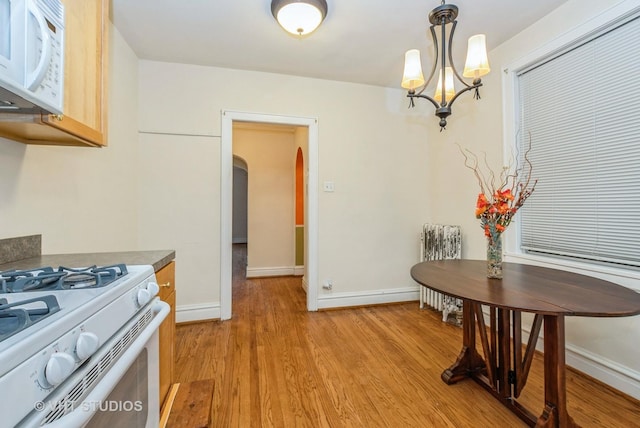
{"type": "Point", "coordinates": [166, 281]}
{"type": "Point", "coordinates": [85, 70]}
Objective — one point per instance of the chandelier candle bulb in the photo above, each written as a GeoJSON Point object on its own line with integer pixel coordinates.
{"type": "Point", "coordinates": [449, 88]}
{"type": "Point", "coordinates": [413, 77]}
{"type": "Point", "coordinates": [477, 63]}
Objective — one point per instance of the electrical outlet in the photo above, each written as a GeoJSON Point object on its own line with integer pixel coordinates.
{"type": "Point", "coordinates": [329, 186]}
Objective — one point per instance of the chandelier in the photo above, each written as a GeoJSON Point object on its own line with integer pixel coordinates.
{"type": "Point", "coordinates": [445, 95]}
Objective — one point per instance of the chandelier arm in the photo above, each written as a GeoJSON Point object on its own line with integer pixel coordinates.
{"type": "Point", "coordinates": [426, 97]}
{"type": "Point", "coordinates": [453, 67]}
{"type": "Point", "coordinates": [468, 88]}
{"type": "Point", "coordinates": [435, 62]}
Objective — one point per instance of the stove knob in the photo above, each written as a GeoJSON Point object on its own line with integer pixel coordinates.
{"type": "Point", "coordinates": [143, 297]}
{"type": "Point", "coordinates": [86, 345]}
{"type": "Point", "coordinates": [59, 367]}
{"type": "Point", "coordinates": [153, 288]}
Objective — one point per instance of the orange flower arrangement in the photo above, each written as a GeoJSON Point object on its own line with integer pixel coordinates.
{"type": "Point", "coordinates": [497, 204]}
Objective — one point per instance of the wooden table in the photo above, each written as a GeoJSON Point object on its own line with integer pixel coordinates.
{"type": "Point", "coordinates": [551, 295]}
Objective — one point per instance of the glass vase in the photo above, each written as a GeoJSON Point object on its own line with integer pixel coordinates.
{"type": "Point", "coordinates": [494, 258]}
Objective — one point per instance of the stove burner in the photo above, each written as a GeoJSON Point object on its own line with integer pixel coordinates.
{"type": "Point", "coordinates": [15, 317]}
{"type": "Point", "coordinates": [80, 280]}
{"type": "Point", "coordinates": [47, 279]}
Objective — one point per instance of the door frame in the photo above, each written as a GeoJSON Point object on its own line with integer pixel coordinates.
{"type": "Point", "coordinates": [226, 202]}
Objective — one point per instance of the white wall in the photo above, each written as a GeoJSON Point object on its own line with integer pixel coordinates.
{"type": "Point", "coordinates": [270, 156]}
{"type": "Point", "coordinates": [605, 348]}
{"type": "Point", "coordinates": [370, 145]}
{"type": "Point", "coordinates": [79, 199]}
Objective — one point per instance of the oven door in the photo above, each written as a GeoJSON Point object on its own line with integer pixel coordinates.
{"type": "Point", "coordinates": [125, 395]}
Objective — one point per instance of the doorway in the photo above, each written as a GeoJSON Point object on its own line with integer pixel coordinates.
{"type": "Point", "coordinates": [240, 208]}
{"type": "Point", "coordinates": [310, 215]}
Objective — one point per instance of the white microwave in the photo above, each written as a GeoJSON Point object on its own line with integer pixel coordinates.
{"type": "Point", "coordinates": [31, 56]}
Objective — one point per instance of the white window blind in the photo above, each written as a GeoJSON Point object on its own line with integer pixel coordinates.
{"type": "Point", "coordinates": [581, 111]}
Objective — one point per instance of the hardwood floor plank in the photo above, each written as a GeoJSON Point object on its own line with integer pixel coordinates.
{"type": "Point", "coordinates": [276, 365]}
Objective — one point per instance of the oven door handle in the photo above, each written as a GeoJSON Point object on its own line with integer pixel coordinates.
{"type": "Point", "coordinates": [80, 416]}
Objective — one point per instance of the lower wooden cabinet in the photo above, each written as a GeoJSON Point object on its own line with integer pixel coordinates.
{"type": "Point", "coordinates": [166, 281]}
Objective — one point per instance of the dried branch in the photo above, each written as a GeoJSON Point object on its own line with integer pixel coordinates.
{"type": "Point", "coordinates": [498, 203]}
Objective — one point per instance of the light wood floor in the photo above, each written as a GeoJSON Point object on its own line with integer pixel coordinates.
{"type": "Point", "coordinates": [277, 365]}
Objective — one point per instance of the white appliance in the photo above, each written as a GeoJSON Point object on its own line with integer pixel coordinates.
{"type": "Point", "coordinates": [79, 347]}
{"type": "Point", "coordinates": [31, 56]}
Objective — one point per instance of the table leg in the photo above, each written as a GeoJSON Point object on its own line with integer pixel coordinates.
{"type": "Point", "coordinates": [471, 364]}
{"type": "Point", "coordinates": [504, 353]}
{"type": "Point", "coordinates": [469, 361]}
{"type": "Point", "coordinates": [555, 412]}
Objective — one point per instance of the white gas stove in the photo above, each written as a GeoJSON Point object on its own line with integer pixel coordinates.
{"type": "Point", "coordinates": [62, 332]}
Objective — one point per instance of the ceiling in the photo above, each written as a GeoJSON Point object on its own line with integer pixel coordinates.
{"type": "Point", "coordinates": [360, 41]}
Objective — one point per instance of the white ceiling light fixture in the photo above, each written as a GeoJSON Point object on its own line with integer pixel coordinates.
{"type": "Point", "coordinates": [477, 65]}
{"type": "Point", "coordinates": [299, 17]}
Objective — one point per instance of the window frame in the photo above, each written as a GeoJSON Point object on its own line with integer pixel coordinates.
{"type": "Point", "coordinates": [623, 276]}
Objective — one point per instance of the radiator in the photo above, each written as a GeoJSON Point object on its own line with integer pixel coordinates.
{"type": "Point", "coordinates": [440, 242]}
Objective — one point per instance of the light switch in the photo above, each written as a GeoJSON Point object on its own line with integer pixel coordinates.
{"type": "Point", "coordinates": [328, 186]}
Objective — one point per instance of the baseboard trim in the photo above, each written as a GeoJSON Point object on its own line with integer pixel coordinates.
{"type": "Point", "coordinates": [613, 374]}
{"type": "Point", "coordinates": [377, 297]}
{"type": "Point", "coordinates": [190, 313]}
{"type": "Point", "coordinates": [271, 271]}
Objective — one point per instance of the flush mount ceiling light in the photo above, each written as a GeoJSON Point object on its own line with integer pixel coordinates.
{"type": "Point", "coordinates": [445, 95]}
{"type": "Point", "coordinates": [299, 17]}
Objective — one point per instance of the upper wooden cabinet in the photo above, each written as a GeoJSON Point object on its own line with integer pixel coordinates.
{"type": "Point", "coordinates": [84, 122]}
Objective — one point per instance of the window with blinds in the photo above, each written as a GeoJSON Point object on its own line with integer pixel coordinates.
{"type": "Point", "coordinates": [580, 111]}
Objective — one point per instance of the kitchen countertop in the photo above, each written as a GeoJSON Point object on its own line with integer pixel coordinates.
{"type": "Point", "coordinates": [158, 259]}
